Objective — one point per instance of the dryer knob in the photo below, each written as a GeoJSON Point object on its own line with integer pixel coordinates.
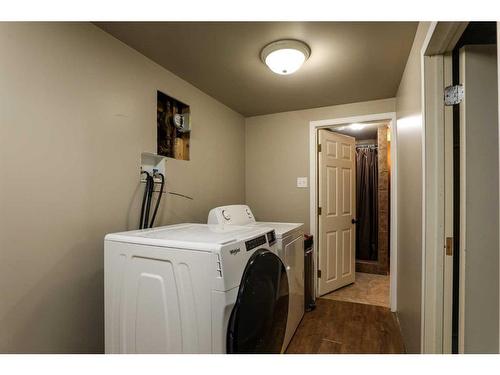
{"type": "Point", "coordinates": [226, 215]}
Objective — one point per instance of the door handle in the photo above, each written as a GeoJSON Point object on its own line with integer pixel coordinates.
{"type": "Point", "coordinates": [354, 221]}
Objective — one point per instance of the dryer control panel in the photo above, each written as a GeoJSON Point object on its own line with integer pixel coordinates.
{"type": "Point", "coordinates": [255, 242]}
{"type": "Point", "coordinates": [271, 237]}
{"type": "Point", "coordinates": [237, 214]}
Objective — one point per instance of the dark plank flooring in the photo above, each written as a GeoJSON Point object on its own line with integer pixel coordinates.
{"type": "Point", "coordinates": [347, 328]}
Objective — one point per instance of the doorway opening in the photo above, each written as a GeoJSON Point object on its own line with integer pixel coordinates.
{"type": "Point", "coordinates": [371, 224]}
{"type": "Point", "coordinates": [460, 140]}
{"type": "Point", "coordinates": [353, 208]}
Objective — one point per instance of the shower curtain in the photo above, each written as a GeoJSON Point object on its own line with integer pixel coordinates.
{"type": "Point", "coordinates": [366, 203]}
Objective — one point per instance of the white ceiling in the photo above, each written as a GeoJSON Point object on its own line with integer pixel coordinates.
{"type": "Point", "coordinates": [350, 61]}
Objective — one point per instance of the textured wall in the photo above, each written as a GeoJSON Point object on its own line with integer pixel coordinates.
{"type": "Point", "coordinates": [383, 201]}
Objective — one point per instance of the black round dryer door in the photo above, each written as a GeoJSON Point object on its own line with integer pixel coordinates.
{"type": "Point", "coordinates": [258, 320]}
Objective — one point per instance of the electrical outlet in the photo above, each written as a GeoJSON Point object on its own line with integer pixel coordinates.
{"type": "Point", "coordinates": [301, 182]}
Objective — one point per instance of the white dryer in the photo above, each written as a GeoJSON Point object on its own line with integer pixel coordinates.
{"type": "Point", "coordinates": [290, 240]}
{"type": "Point", "coordinates": [194, 288]}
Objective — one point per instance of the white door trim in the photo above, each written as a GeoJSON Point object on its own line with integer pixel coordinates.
{"type": "Point", "coordinates": [432, 207]}
{"type": "Point", "coordinates": [441, 38]}
{"type": "Point", "coordinates": [313, 198]}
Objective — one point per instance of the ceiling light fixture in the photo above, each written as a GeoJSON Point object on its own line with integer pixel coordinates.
{"type": "Point", "coordinates": [285, 56]}
{"type": "Point", "coordinates": [356, 126]}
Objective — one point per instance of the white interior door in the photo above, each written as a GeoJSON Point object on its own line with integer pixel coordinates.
{"type": "Point", "coordinates": [337, 202]}
{"type": "Point", "coordinates": [479, 242]}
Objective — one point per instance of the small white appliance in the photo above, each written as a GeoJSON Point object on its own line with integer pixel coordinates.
{"type": "Point", "coordinates": [194, 288]}
{"type": "Point", "coordinates": [290, 244]}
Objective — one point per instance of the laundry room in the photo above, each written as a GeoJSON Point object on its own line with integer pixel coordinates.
{"type": "Point", "coordinates": [124, 154]}
{"type": "Point", "coordinates": [205, 186]}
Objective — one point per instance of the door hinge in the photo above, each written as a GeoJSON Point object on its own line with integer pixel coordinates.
{"type": "Point", "coordinates": [449, 246]}
{"type": "Point", "coordinates": [453, 95]}
{"type": "Point", "coordinates": [319, 274]}
{"type": "Point", "coordinates": [319, 147]}
{"type": "Point", "coordinates": [319, 211]}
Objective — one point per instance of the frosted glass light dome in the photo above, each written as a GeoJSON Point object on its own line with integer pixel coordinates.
{"type": "Point", "coordinates": [285, 56]}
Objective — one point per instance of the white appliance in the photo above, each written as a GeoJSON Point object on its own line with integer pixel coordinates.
{"type": "Point", "coordinates": [290, 238]}
{"type": "Point", "coordinates": [194, 288]}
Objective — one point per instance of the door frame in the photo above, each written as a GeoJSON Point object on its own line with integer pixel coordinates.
{"type": "Point", "coordinates": [439, 42]}
{"type": "Point", "coordinates": [314, 126]}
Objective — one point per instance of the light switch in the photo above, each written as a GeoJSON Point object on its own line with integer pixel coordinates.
{"type": "Point", "coordinates": [301, 182]}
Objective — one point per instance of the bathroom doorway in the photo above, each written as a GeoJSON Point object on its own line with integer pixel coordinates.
{"type": "Point", "coordinates": [372, 192]}
{"type": "Point", "coordinates": [354, 256]}
{"type": "Point", "coordinates": [373, 168]}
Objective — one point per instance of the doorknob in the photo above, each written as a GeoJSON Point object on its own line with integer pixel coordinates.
{"type": "Point", "coordinates": [354, 221]}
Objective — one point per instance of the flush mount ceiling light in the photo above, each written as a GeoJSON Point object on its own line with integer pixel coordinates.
{"type": "Point", "coordinates": [357, 126]}
{"type": "Point", "coordinates": [285, 56]}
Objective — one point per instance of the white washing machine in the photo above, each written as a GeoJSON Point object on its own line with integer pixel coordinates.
{"type": "Point", "coordinates": [194, 288]}
{"type": "Point", "coordinates": [290, 238]}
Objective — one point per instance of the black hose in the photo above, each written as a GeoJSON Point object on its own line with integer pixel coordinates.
{"type": "Point", "coordinates": [141, 222]}
{"type": "Point", "coordinates": [150, 188]}
{"type": "Point", "coordinates": [158, 200]}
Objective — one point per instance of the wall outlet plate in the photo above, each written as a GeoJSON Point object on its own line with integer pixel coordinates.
{"type": "Point", "coordinates": [301, 182]}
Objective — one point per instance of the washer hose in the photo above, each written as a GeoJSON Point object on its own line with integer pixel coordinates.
{"type": "Point", "coordinates": [144, 197]}
{"type": "Point", "coordinates": [159, 199]}
{"type": "Point", "coordinates": [149, 189]}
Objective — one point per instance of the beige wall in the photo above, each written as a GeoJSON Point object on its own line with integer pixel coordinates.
{"type": "Point", "coordinates": [277, 152]}
{"type": "Point", "coordinates": [409, 138]}
{"type": "Point", "coordinates": [77, 107]}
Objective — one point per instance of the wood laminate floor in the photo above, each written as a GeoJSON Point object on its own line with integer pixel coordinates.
{"type": "Point", "coordinates": [347, 328]}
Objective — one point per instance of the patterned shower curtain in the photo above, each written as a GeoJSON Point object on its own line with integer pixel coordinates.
{"type": "Point", "coordinates": [366, 202]}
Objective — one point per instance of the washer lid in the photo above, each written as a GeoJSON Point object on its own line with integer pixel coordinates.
{"type": "Point", "coordinates": [188, 236]}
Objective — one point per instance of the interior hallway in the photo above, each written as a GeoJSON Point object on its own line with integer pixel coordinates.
{"type": "Point", "coordinates": [339, 327]}
{"type": "Point", "coordinates": [352, 319]}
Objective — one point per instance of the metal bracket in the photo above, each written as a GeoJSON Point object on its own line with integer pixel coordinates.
{"type": "Point", "coordinates": [453, 95]}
